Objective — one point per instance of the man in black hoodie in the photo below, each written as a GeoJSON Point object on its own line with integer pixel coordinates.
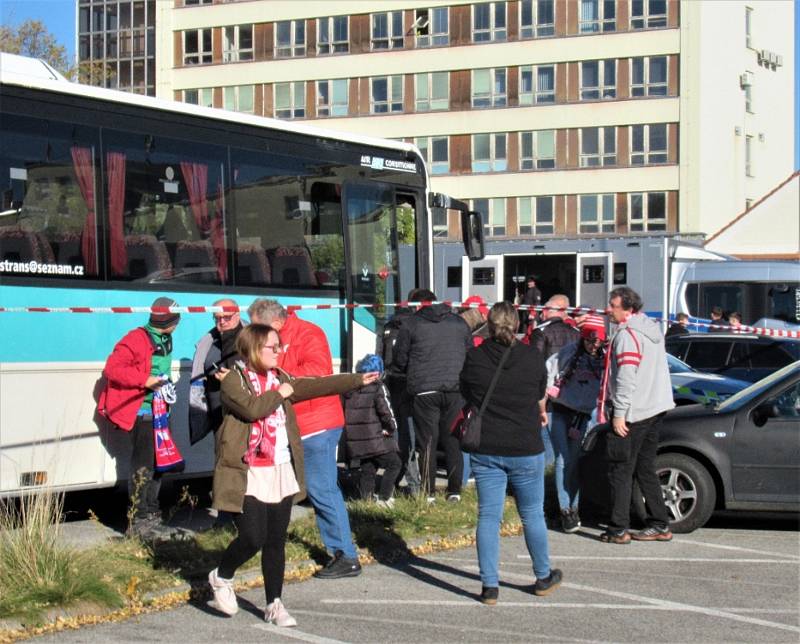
{"type": "Point", "coordinates": [430, 349]}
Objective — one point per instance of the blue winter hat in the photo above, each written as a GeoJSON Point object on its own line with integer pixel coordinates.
{"type": "Point", "coordinates": [370, 363]}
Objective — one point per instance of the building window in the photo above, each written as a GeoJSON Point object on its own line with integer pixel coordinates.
{"type": "Point", "coordinates": [748, 27]}
{"type": "Point", "coordinates": [598, 79]}
{"type": "Point", "coordinates": [290, 38]}
{"type": "Point", "coordinates": [493, 212]}
{"type": "Point", "coordinates": [332, 97]}
{"type": "Point", "coordinates": [188, 3]}
{"type": "Point", "coordinates": [535, 215]}
{"type": "Point", "coordinates": [387, 30]}
{"type": "Point", "coordinates": [536, 19]}
{"type": "Point", "coordinates": [537, 84]}
{"type": "Point", "coordinates": [648, 14]}
{"type": "Point", "coordinates": [748, 155]}
{"type": "Point", "coordinates": [332, 35]}
{"type": "Point", "coordinates": [238, 98]}
{"type": "Point", "coordinates": [648, 144]}
{"type": "Point", "coordinates": [597, 16]}
{"type": "Point", "coordinates": [387, 94]}
{"type": "Point", "coordinates": [290, 100]}
{"type": "Point", "coordinates": [431, 27]}
{"type": "Point", "coordinates": [596, 213]}
{"type": "Point", "coordinates": [435, 151]}
{"type": "Point", "coordinates": [197, 46]}
{"type": "Point", "coordinates": [489, 22]}
{"type": "Point", "coordinates": [432, 91]}
{"type": "Point", "coordinates": [648, 211]}
{"type": "Point", "coordinates": [203, 97]}
{"type": "Point", "coordinates": [537, 150]}
{"type": "Point", "coordinates": [489, 87]}
{"type": "Point", "coordinates": [489, 152]}
{"type": "Point", "coordinates": [649, 76]}
{"type": "Point", "coordinates": [237, 43]}
{"type": "Point", "coordinates": [598, 146]}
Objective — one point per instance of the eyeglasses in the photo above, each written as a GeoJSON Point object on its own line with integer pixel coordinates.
{"type": "Point", "coordinates": [224, 319]}
{"type": "Point", "coordinates": [275, 348]}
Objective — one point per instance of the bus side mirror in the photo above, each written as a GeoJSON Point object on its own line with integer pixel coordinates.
{"type": "Point", "coordinates": [472, 232]}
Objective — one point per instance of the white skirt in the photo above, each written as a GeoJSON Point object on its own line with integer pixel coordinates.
{"type": "Point", "coordinates": [271, 484]}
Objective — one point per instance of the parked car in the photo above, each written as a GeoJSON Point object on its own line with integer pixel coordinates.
{"type": "Point", "coordinates": [690, 386]}
{"type": "Point", "coordinates": [740, 356]}
{"type": "Point", "coordinates": [739, 454]}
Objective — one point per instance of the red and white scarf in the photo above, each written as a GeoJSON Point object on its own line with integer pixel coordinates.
{"type": "Point", "coordinates": [261, 448]}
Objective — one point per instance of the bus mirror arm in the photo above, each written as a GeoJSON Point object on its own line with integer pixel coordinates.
{"type": "Point", "coordinates": [471, 223]}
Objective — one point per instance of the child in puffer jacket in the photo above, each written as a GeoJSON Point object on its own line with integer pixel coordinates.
{"type": "Point", "coordinates": [369, 432]}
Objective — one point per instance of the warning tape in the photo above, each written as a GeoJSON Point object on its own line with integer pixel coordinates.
{"type": "Point", "coordinates": [576, 311]}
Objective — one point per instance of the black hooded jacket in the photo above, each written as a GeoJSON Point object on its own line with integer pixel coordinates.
{"type": "Point", "coordinates": [367, 414]}
{"type": "Point", "coordinates": [431, 348]}
{"type": "Point", "coordinates": [510, 424]}
{"type": "Point", "coordinates": [553, 335]}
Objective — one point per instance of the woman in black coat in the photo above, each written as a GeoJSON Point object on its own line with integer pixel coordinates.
{"type": "Point", "coordinates": [510, 449]}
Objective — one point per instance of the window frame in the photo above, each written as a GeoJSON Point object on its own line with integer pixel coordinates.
{"type": "Point", "coordinates": [600, 24]}
{"type": "Point", "coordinates": [491, 229]}
{"type": "Point", "coordinates": [535, 96]}
{"type": "Point", "coordinates": [604, 89]}
{"type": "Point", "coordinates": [331, 105]}
{"type": "Point", "coordinates": [327, 25]}
{"type": "Point", "coordinates": [649, 155]}
{"type": "Point", "coordinates": [536, 226]}
{"type": "Point", "coordinates": [600, 221]}
{"type": "Point", "coordinates": [536, 29]}
{"type": "Point", "coordinates": [234, 53]}
{"type": "Point", "coordinates": [426, 145]}
{"type": "Point", "coordinates": [495, 99]}
{"type": "Point", "coordinates": [645, 18]}
{"type": "Point", "coordinates": [426, 104]}
{"type": "Point", "coordinates": [647, 87]}
{"type": "Point", "coordinates": [393, 104]}
{"type": "Point", "coordinates": [203, 57]}
{"type": "Point", "coordinates": [646, 222]}
{"type": "Point", "coordinates": [201, 93]}
{"type": "Point", "coordinates": [393, 40]}
{"type": "Point", "coordinates": [493, 32]}
{"type": "Point", "coordinates": [535, 161]}
{"type": "Point", "coordinates": [432, 37]}
{"type": "Point", "coordinates": [295, 49]}
{"type": "Point", "coordinates": [492, 163]}
{"type": "Point", "coordinates": [603, 156]}
{"type": "Point", "coordinates": [294, 110]}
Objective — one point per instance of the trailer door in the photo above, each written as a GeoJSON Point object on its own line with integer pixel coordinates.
{"type": "Point", "coordinates": [483, 277]}
{"type": "Point", "coordinates": [594, 274]}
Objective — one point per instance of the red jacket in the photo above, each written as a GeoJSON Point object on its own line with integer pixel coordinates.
{"type": "Point", "coordinates": [126, 371]}
{"type": "Point", "coordinates": [306, 353]}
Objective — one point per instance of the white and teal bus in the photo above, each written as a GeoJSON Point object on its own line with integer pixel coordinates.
{"type": "Point", "coordinates": [112, 199]}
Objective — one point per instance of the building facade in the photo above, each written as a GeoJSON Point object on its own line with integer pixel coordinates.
{"type": "Point", "coordinates": [556, 118]}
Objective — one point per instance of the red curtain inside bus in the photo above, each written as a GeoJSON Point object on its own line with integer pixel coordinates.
{"type": "Point", "coordinates": [82, 164]}
{"type": "Point", "coordinates": [115, 170]}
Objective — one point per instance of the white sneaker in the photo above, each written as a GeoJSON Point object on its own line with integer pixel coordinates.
{"type": "Point", "coordinates": [431, 500]}
{"type": "Point", "coordinates": [385, 503]}
{"type": "Point", "coordinates": [277, 614]}
{"type": "Point", "coordinates": [453, 498]}
{"type": "Point", "coordinates": [224, 595]}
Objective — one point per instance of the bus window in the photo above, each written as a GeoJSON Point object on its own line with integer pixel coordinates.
{"type": "Point", "coordinates": [784, 300]}
{"type": "Point", "coordinates": [48, 214]}
{"type": "Point", "coordinates": [288, 227]}
{"type": "Point", "coordinates": [165, 209]}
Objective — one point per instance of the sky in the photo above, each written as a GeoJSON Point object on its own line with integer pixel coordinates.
{"type": "Point", "coordinates": [59, 17]}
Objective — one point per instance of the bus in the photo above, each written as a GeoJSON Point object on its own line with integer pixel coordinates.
{"type": "Point", "coordinates": [112, 199]}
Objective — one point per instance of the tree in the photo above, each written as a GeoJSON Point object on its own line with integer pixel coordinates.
{"type": "Point", "coordinates": [31, 38]}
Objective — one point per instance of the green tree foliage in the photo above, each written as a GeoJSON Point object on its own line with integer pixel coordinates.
{"type": "Point", "coordinates": [31, 38]}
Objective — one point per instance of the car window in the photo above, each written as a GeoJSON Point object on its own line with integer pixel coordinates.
{"type": "Point", "coordinates": [677, 349]}
{"type": "Point", "coordinates": [707, 354]}
{"type": "Point", "coordinates": [770, 356]}
{"type": "Point", "coordinates": [788, 403]}
{"type": "Point", "coordinates": [740, 356]}
{"type": "Point", "coordinates": [678, 366]}
{"type": "Point", "coordinates": [741, 398]}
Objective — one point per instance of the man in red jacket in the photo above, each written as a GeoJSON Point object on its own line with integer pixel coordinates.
{"type": "Point", "coordinates": [135, 370]}
{"type": "Point", "coordinates": [320, 421]}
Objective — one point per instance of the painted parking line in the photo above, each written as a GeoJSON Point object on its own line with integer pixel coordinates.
{"type": "Point", "coordinates": [294, 634]}
{"type": "Point", "coordinates": [667, 604]}
{"type": "Point", "coordinates": [669, 559]}
{"type": "Point", "coordinates": [739, 549]}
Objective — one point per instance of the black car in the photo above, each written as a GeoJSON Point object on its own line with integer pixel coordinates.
{"type": "Point", "coordinates": [740, 454]}
{"type": "Point", "coordinates": [741, 356]}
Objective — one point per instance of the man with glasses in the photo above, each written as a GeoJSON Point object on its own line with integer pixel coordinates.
{"type": "Point", "coordinates": [214, 353]}
{"type": "Point", "coordinates": [305, 352]}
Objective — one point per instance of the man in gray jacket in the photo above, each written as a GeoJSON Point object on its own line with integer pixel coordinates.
{"type": "Point", "coordinates": [640, 394]}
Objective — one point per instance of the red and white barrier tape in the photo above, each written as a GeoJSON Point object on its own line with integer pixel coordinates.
{"type": "Point", "coordinates": [575, 311]}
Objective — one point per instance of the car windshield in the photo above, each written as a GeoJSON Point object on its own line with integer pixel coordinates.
{"type": "Point", "coordinates": [678, 366]}
{"type": "Point", "coordinates": [753, 391]}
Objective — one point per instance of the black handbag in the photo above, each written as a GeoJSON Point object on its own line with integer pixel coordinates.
{"type": "Point", "coordinates": [468, 429]}
{"type": "Point", "coordinates": [589, 441]}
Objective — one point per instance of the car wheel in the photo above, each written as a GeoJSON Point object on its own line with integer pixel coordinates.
{"type": "Point", "coordinates": [688, 491]}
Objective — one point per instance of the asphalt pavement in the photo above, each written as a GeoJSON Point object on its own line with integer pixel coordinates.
{"type": "Point", "coordinates": [735, 583]}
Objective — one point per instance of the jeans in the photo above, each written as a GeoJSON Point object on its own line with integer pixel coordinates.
{"type": "Point", "coordinates": [567, 452]}
{"type": "Point", "coordinates": [434, 413]}
{"type": "Point", "coordinates": [322, 484]}
{"type": "Point", "coordinates": [526, 475]}
{"type": "Point", "coordinates": [467, 470]}
{"type": "Point", "coordinates": [643, 437]}
{"type": "Point", "coordinates": [549, 454]}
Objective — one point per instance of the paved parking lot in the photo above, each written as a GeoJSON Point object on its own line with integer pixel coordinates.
{"type": "Point", "coordinates": [714, 585]}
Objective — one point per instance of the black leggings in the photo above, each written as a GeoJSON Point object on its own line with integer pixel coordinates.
{"type": "Point", "coordinates": [261, 526]}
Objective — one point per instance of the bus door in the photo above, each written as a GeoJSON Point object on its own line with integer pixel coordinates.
{"type": "Point", "coordinates": [372, 251]}
{"type": "Point", "coordinates": [483, 277]}
{"type": "Point", "coordinates": [594, 273]}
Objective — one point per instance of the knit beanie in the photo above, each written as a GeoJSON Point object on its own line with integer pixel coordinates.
{"type": "Point", "coordinates": [592, 325]}
{"type": "Point", "coordinates": [370, 363]}
{"type": "Point", "coordinates": [166, 319]}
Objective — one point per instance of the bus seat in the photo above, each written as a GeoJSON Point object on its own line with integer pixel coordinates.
{"type": "Point", "coordinates": [18, 245]}
{"type": "Point", "coordinates": [197, 254]}
{"type": "Point", "coordinates": [252, 266]}
{"type": "Point", "coordinates": [146, 255]}
{"type": "Point", "coordinates": [291, 265]}
{"type": "Point", "coordinates": [68, 248]}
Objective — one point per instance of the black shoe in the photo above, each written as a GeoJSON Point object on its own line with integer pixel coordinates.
{"type": "Point", "coordinates": [545, 586]}
{"type": "Point", "coordinates": [570, 521]}
{"type": "Point", "coordinates": [489, 595]}
{"type": "Point", "coordinates": [338, 567]}
{"type": "Point", "coordinates": [652, 534]}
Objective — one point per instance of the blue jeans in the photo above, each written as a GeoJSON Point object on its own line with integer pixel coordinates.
{"type": "Point", "coordinates": [526, 474]}
{"type": "Point", "coordinates": [467, 470]}
{"type": "Point", "coordinates": [549, 454]}
{"type": "Point", "coordinates": [567, 452]}
{"type": "Point", "coordinates": [322, 484]}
